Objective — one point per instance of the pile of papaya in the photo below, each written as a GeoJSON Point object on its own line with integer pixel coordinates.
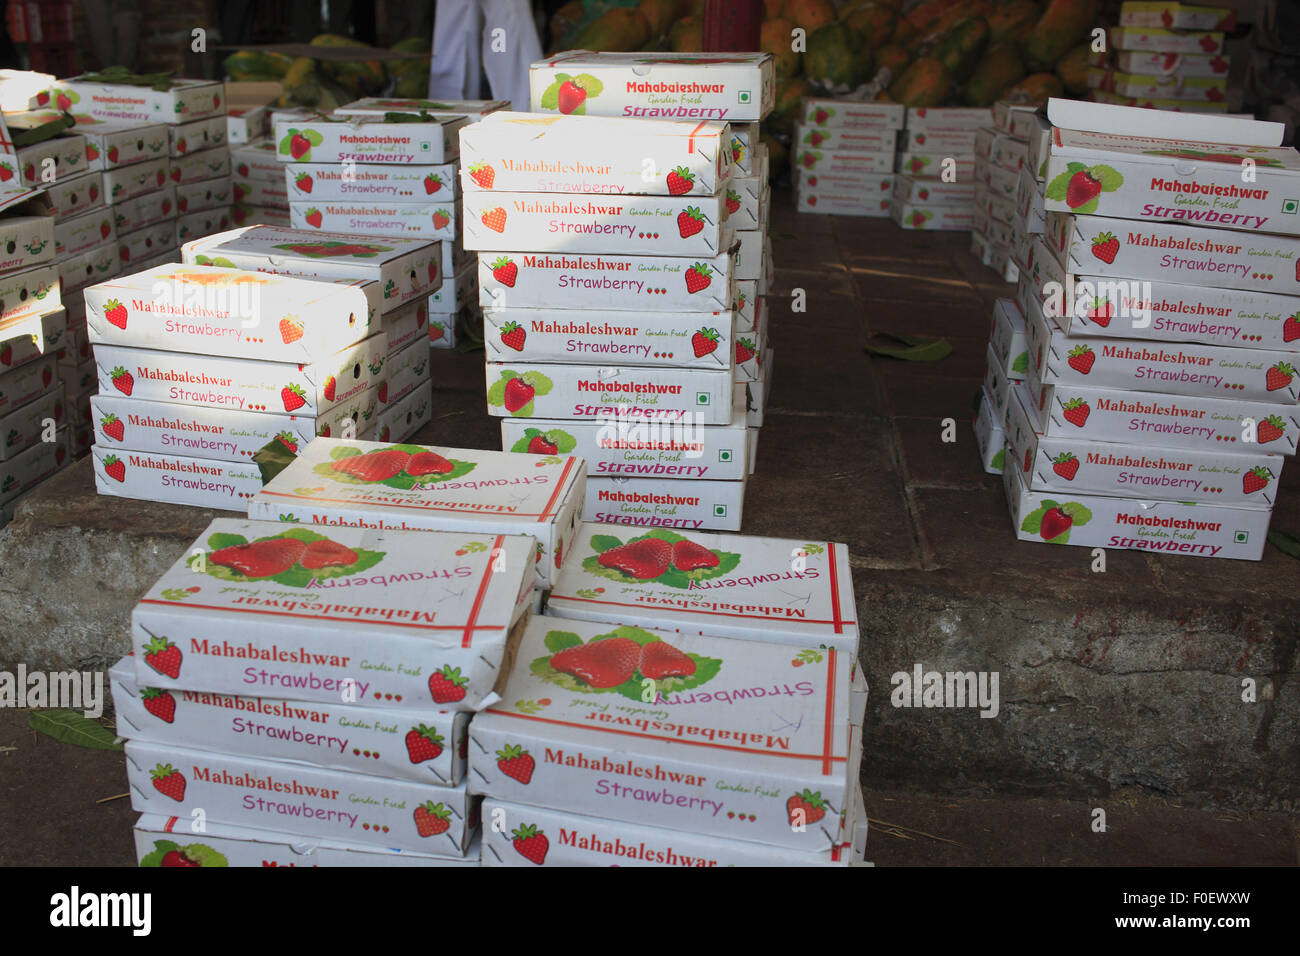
{"type": "Point", "coordinates": [326, 84]}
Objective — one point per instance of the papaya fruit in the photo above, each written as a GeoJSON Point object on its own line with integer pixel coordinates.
{"type": "Point", "coordinates": [874, 20]}
{"type": "Point", "coordinates": [564, 23]}
{"type": "Point", "coordinates": [812, 15]}
{"type": "Point", "coordinates": [1035, 89]}
{"type": "Point", "coordinates": [789, 97]}
{"type": "Point", "coordinates": [963, 11]}
{"type": "Point", "coordinates": [999, 68]}
{"type": "Point", "coordinates": [659, 15]}
{"type": "Point", "coordinates": [243, 64]}
{"type": "Point", "coordinates": [360, 76]}
{"type": "Point", "coordinates": [410, 77]}
{"type": "Point", "coordinates": [925, 17]}
{"type": "Point", "coordinates": [618, 29]}
{"type": "Point", "coordinates": [687, 35]}
{"type": "Point", "coordinates": [836, 59]}
{"type": "Point", "coordinates": [774, 38]}
{"type": "Point", "coordinates": [1058, 30]}
{"type": "Point", "coordinates": [772, 9]}
{"type": "Point", "coordinates": [924, 83]}
{"type": "Point", "coordinates": [694, 8]}
{"type": "Point", "coordinates": [1072, 69]}
{"type": "Point", "coordinates": [892, 57]}
{"type": "Point", "coordinates": [961, 47]}
{"type": "Point", "coordinates": [1013, 19]}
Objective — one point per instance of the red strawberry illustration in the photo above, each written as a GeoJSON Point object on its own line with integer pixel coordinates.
{"type": "Point", "coordinates": [428, 463]}
{"type": "Point", "coordinates": [644, 559]}
{"type": "Point", "coordinates": [1076, 411]}
{"type": "Point", "coordinates": [816, 138]}
{"type": "Point", "coordinates": [689, 556]}
{"type": "Point", "coordinates": [1080, 359]}
{"type": "Point", "coordinates": [375, 465]}
{"type": "Point", "coordinates": [820, 117]}
{"type": "Point", "coordinates": [539, 445]}
{"type": "Point", "coordinates": [313, 218]}
{"type": "Point", "coordinates": [513, 335]}
{"type": "Point", "coordinates": [570, 96]}
{"type": "Point", "coordinates": [1279, 376]}
{"type": "Point", "coordinates": [602, 663]}
{"type": "Point", "coordinates": [1291, 328]}
{"type": "Point", "coordinates": [432, 184]}
{"type": "Point", "coordinates": [1219, 65]}
{"type": "Point", "coordinates": [483, 174]}
{"type": "Point", "coordinates": [114, 468]}
{"type": "Point", "coordinates": [495, 219]}
{"type": "Point", "coordinates": [1100, 312]}
{"type": "Point", "coordinates": [327, 554]}
{"type": "Point", "coordinates": [704, 341]}
{"type": "Point", "coordinates": [1105, 247]}
{"type": "Point", "coordinates": [331, 388]}
{"type": "Point", "coordinates": [530, 843]}
{"type": "Point", "coordinates": [1255, 479]}
{"type": "Point", "coordinates": [447, 685]}
{"type": "Point", "coordinates": [423, 743]}
{"type": "Point", "coordinates": [122, 380]}
{"type": "Point", "coordinates": [518, 394]}
{"type": "Point", "coordinates": [1055, 523]}
{"type": "Point", "coordinates": [290, 330]}
{"type": "Point", "coordinates": [698, 277]}
{"type": "Point", "coordinates": [805, 807]}
{"type": "Point", "coordinates": [1029, 461]}
{"type": "Point", "coordinates": [433, 271]}
{"type": "Point", "coordinates": [1081, 189]}
{"type": "Point", "coordinates": [7, 354]}
{"type": "Point", "coordinates": [505, 271]}
{"type": "Point", "coordinates": [436, 331]}
{"type": "Point", "coordinates": [112, 427]}
{"type": "Point", "coordinates": [1209, 44]}
{"type": "Point", "coordinates": [261, 559]}
{"type": "Point", "coordinates": [168, 781]}
{"type": "Point", "coordinates": [115, 311]}
{"type": "Point", "coordinates": [659, 659]}
{"type": "Point", "coordinates": [299, 146]}
{"type": "Point", "coordinates": [733, 201]}
{"type": "Point", "coordinates": [440, 219]}
{"type": "Point", "coordinates": [176, 175]}
{"type": "Point", "coordinates": [303, 181]}
{"type": "Point", "coordinates": [242, 169]}
{"type": "Point", "coordinates": [293, 397]}
{"type": "Point", "coordinates": [159, 703]}
{"type": "Point", "coordinates": [1271, 429]}
{"type": "Point", "coordinates": [47, 375]}
{"type": "Point", "coordinates": [6, 172]}
{"type": "Point", "coordinates": [690, 221]}
{"type": "Point", "coordinates": [1166, 18]}
{"type": "Point", "coordinates": [516, 762]}
{"type": "Point", "coordinates": [680, 180]}
{"type": "Point", "coordinates": [286, 439]}
{"type": "Point", "coordinates": [383, 393]}
{"type": "Point", "coordinates": [744, 351]}
{"type": "Point", "coordinates": [163, 656]}
{"type": "Point", "coordinates": [92, 152]}
{"type": "Point", "coordinates": [1066, 465]}
{"type": "Point", "coordinates": [432, 818]}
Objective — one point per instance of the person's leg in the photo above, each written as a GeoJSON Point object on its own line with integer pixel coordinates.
{"type": "Point", "coordinates": [456, 27]}
{"type": "Point", "coordinates": [510, 45]}
{"type": "Point", "coordinates": [99, 26]}
{"type": "Point", "coordinates": [126, 31]}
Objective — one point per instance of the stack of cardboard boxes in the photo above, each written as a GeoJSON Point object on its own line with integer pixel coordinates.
{"type": "Point", "coordinates": [844, 156]}
{"type": "Point", "coordinates": [1001, 158]}
{"type": "Point", "coordinates": [935, 185]}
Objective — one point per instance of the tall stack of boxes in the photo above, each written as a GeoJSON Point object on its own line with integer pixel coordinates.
{"type": "Point", "coordinates": [736, 88]}
{"type": "Point", "coordinates": [1165, 56]}
{"type": "Point", "coordinates": [935, 165]}
{"type": "Point", "coordinates": [257, 170]}
{"type": "Point", "coordinates": [1001, 154]}
{"type": "Point", "coordinates": [844, 156]}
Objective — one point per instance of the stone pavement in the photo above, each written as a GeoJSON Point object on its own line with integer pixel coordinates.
{"type": "Point", "coordinates": [1125, 679]}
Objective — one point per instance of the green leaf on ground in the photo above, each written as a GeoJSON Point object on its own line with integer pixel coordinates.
{"type": "Point", "coordinates": [73, 728]}
{"type": "Point", "coordinates": [911, 348]}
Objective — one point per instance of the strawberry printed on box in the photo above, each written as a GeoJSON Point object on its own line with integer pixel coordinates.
{"type": "Point", "coordinates": [180, 102]}
{"type": "Point", "coordinates": [834, 201]}
{"type": "Point", "coordinates": [672, 730]}
{"type": "Point", "coordinates": [194, 167]}
{"type": "Point", "coordinates": [1177, 16]}
{"type": "Point", "coordinates": [528, 152]}
{"type": "Point", "coordinates": [953, 217]}
{"type": "Point", "coordinates": [313, 801]}
{"type": "Point", "coordinates": [404, 371]}
{"type": "Point", "coordinates": [472, 110]}
{"type": "Point", "coordinates": [24, 426]}
{"type": "Point", "coordinates": [38, 165]}
{"type": "Point", "coordinates": [685, 86]}
{"type": "Point", "coordinates": [427, 619]}
{"type": "Point", "coordinates": [425, 140]}
{"type": "Point", "coordinates": [80, 233]}
{"type": "Point", "coordinates": [203, 195]}
{"type": "Point", "coordinates": [833, 113]}
{"type": "Point", "coordinates": [400, 420]}
{"type": "Point", "coordinates": [176, 479]}
{"type": "Point", "coordinates": [950, 118]}
{"type": "Point", "coordinates": [414, 487]}
{"type": "Point", "coordinates": [258, 160]}
{"type": "Point", "coordinates": [120, 144]}
{"type": "Point", "coordinates": [144, 210]}
{"type": "Point", "coordinates": [1163, 64]}
{"type": "Point", "coordinates": [202, 223]}
{"type": "Point", "coordinates": [762, 589]}
{"type": "Point", "coordinates": [405, 325]}
{"type": "Point", "coordinates": [197, 135]}
{"type": "Point", "coordinates": [422, 746]}
{"type": "Point", "coordinates": [73, 196]}
{"type": "Point", "coordinates": [374, 182]}
{"type": "Point", "coordinates": [687, 504]}
{"type": "Point", "coordinates": [143, 244]}
{"type": "Point", "coordinates": [990, 436]}
{"type": "Point", "coordinates": [845, 137]}
{"type": "Point", "coordinates": [926, 191]}
{"type": "Point", "coordinates": [29, 291]}
{"type": "Point", "coordinates": [33, 465]}
{"type": "Point", "coordinates": [844, 162]}
{"type": "Point", "coordinates": [1156, 40]}
{"type": "Point", "coordinates": [409, 220]}
{"type": "Point", "coordinates": [1212, 88]}
{"type": "Point", "coordinates": [94, 265]}
{"type": "Point", "coordinates": [28, 241]}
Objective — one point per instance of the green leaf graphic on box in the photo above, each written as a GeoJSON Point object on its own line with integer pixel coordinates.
{"type": "Point", "coordinates": [72, 727]}
{"type": "Point", "coordinates": [1078, 512]}
{"type": "Point", "coordinates": [540, 383]}
{"type": "Point", "coordinates": [1021, 364]}
{"type": "Point", "coordinates": [1057, 188]}
{"type": "Point", "coordinates": [999, 459]}
{"type": "Point", "coordinates": [1033, 522]}
{"type": "Point", "coordinates": [305, 535]}
{"type": "Point", "coordinates": [562, 440]}
{"type": "Point", "coordinates": [1073, 168]}
{"type": "Point", "coordinates": [1109, 177]}
{"type": "Point", "coordinates": [673, 578]}
{"type": "Point", "coordinates": [496, 394]}
{"type": "Point", "coordinates": [589, 83]}
{"type": "Point", "coordinates": [603, 542]}
{"type": "Point", "coordinates": [551, 95]}
{"type": "Point", "coordinates": [223, 540]}
{"type": "Point", "coordinates": [557, 641]}
{"type": "Point", "coordinates": [196, 853]}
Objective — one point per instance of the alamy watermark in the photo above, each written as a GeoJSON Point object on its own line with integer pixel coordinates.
{"type": "Point", "coordinates": [70, 690]}
{"type": "Point", "coordinates": [922, 688]}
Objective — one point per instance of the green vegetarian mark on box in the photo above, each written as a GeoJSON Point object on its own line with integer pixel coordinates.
{"type": "Point", "coordinates": [293, 558]}
{"type": "Point", "coordinates": [334, 249]}
{"type": "Point", "coordinates": [167, 853]}
{"type": "Point", "coordinates": [662, 556]}
{"type": "Point", "coordinates": [397, 466]}
{"type": "Point", "coordinates": [569, 94]}
{"type": "Point", "coordinates": [627, 660]}
{"type": "Point", "coordinates": [1052, 522]}
{"type": "Point", "coordinates": [1080, 185]}
{"type": "Point", "coordinates": [516, 392]}
{"type": "Point", "coordinates": [297, 144]}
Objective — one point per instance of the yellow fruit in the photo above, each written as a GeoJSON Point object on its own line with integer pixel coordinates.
{"type": "Point", "coordinates": [812, 15]}
{"type": "Point", "coordinates": [875, 20]}
{"type": "Point", "coordinates": [1073, 69]}
{"type": "Point", "coordinates": [619, 29]}
{"type": "Point", "coordinates": [775, 39]}
{"type": "Point", "coordinates": [660, 15]}
{"type": "Point", "coordinates": [790, 93]}
{"type": "Point", "coordinates": [925, 83]}
{"type": "Point", "coordinates": [892, 57]}
{"type": "Point", "coordinates": [687, 35]}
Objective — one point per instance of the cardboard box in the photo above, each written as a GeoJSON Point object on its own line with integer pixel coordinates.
{"type": "Point", "coordinates": [1164, 104]}
{"type": "Point", "coordinates": [530, 153]}
{"type": "Point", "coordinates": [579, 281]}
{"type": "Point", "coordinates": [683, 86]}
{"type": "Point", "coordinates": [932, 217]}
{"type": "Point", "coordinates": [1147, 86]}
{"type": "Point", "coordinates": [748, 257]}
{"type": "Point", "coordinates": [24, 89]}
{"type": "Point", "coordinates": [34, 337]}
{"type": "Point", "coordinates": [34, 166]}
{"type": "Point", "coordinates": [757, 392]}
{"type": "Point", "coordinates": [157, 837]}
{"type": "Point", "coordinates": [184, 100]}
{"type": "Point", "coordinates": [242, 214]}
{"type": "Point", "coordinates": [445, 647]}
{"type": "Point", "coordinates": [1152, 40]}
{"type": "Point", "coordinates": [30, 467]}
{"type": "Point", "coordinates": [404, 370]}
{"type": "Point", "coordinates": [935, 164]}
{"type": "Point", "coordinates": [1009, 337]}
{"type": "Point", "coordinates": [860, 139]}
{"type": "Point", "coordinates": [203, 223]}
{"type": "Point", "coordinates": [30, 290]}
{"type": "Point", "coordinates": [703, 744]}
{"type": "Point", "coordinates": [767, 590]}
{"type": "Point", "coordinates": [424, 745]}
{"type": "Point", "coordinates": [472, 110]}
{"type": "Point", "coordinates": [405, 325]}
{"type": "Point", "coordinates": [1071, 465]}
{"type": "Point", "coordinates": [28, 241]}
{"type": "Point", "coordinates": [1093, 521]}
{"type": "Point", "coordinates": [1162, 64]}
{"type": "Point", "coordinates": [399, 421]}
{"type": "Point", "coordinates": [841, 161]}
{"type": "Point", "coordinates": [257, 160]}
{"type": "Point", "coordinates": [23, 427]}
{"type": "Point", "coordinates": [687, 503]}
{"type": "Point", "coordinates": [78, 233]}
{"type": "Point", "coordinates": [411, 220]}
{"type": "Point", "coordinates": [316, 802]}
{"type": "Point", "coordinates": [997, 384]}
{"type": "Point", "coordinates": [75, 195]}
{"type": "Point", "coordinates": [406, 269]}
{"type": "Point", "coordinates": [176, 479]}
{"type": "Point", "coordinates": [375, 182]}
{"type": "Point", "coordinates": [144, 244]}
{"type": "Point", "coordinates": [198, 135]}
{"type": "Point", "coordinates": [195, 167]}
{"type": "Point", "coordinates": [249, 110]}
{"type": "Point", "coordinates": [122, 144]}
{"type": "Point", "coordinates": [948, 117]}
{"type": "Point", "coordinates": [1017, 120]}
{"type": "Point", "coordinates": [955, 142]}
{"type": "Point", "coordinates": [255, 192]}
{"type": "Point", "coordinates": [484, 493]}
{"type": "Point", "coordinates": [990, 438]}
{"type": "Point", "coordinates": [367, 139]}
{"type": "Point", "coordinates": [822, 112]}
{"type": "Point", "coordinates": [931, 191]}
{"type": "Point", "coordinates": [204, 195]}
{"type": "Point", "coordinates": [456, 291]}
{"type": "Point", "coordinates": [144, 211]}
{"type": "Point", "coordinates": [850, 202]}
{"type": "Point", "coordinates": [1178, 16]}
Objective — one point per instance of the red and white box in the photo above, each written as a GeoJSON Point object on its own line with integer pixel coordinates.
{"type": "Point", "coordinates": [182, 101]}
{"type": "Point", "coordinates": [372, 182]}
{"type": "Point", "coordinates": [367, 139]}
{"type": "Point", "coordinates": [176, 479]}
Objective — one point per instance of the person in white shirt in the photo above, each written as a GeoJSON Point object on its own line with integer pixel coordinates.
{"type": "Point", "coordinates": [496, 37]}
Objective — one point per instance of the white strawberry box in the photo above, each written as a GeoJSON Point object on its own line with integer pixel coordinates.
{"type": "Point", "coordinates": [1182, 368]}
{"type": "Point", "coordinates": [472, 110]}
{"type": "Point", "coordinates": [368, 139]}
{"type": "Point", "coordinates": [400, 420]}
{"type": "Point", "coordinates": [757, 391]}
{"type": "Point", "coordinates": [197, 432]}
{"type": "Point", "coordinates": [456, 290]}
{"type": "Point", "coordinates": [202, 223]}
{"type": "Point", "coordinates": [404, 371]}
{"type": "Point", "coordinates": [257, 160]}
{"type": "Point", "coordinates": [242, 384]}
{"type": "Point", "coordinates": [58, 157]}
{"type": "Point", "coordinates": [30, 467]}
{"type": "Point", "coordinates": [74, 195]}
{"type": "Point", "coordinates": [687, 504]}
{"type": "Point", "coordinates": [424, 745]}
{"type": "Point", "coordinates": [1244, 480]}
{"type": "Point", "coordinates": [456, 490]}
{"type": "Point", "coordinates": [833, 201]}
{"type": "Point", "coordinates": [747, 262]}
{"type": "Point", "coordinates": [1153, 40]}
{"type": "Point", "coordinates": [121, 144]}
{"type": "Point", "coordinates": [262, 194]}
{"type": "Point", "coordinates": [678, 340]}
{"type": "Point", "coordinates": [953, 142]}
{"type": "Point", "coordinates": [168, 841]}
{"type": "Point", "coordinates": [761, 589]}
{"type": "Point", "coordinates": [1179, 16]}
{"type": "Point", "coordinates": [427, 618]}
{"type": "Point", "coordinates": [36, 336]}
{"type": "Point", "coordinates": [406, 269]}
{"type": "Point", "coordinates": [694, 749]}
{"type": "Point", "coordinates": [531, 152]}
{"type": "Point", "coordinates": [94, 265]}
{"type": "Point", "coordinates": [962, 166]}
{"type": "Point", "coordinates": [1212, 88]}
{"type": "Point", "coordinates": [198, 135]}
{"type": "Point", "coordinates": [79, 233]}
{"type": "Point", "coordinates": [27, 241]}
{"type": "Point", "coordinates": [1172, 527]}
{"type": "Point", "coordinates": [1164, 64]}
{"type": "Point", "coordinates": [203, 195]}
{"type": "Point", "coordinates": [143, 244]}
{"type": "Point", "coordinates": [845, 138]}
{"type": "Point", "coordinates": [747, 304]}
{"type": "Point", "coordinates": [584, 392]}
{"type": "Point", "coordinates": [24, 426]}
{"type": "Point", "coordinates": [316, 802]}
{"type": "Point", "coordinates": [843, 162]}
{"type": "Point", "coordinates": [682, 86]}
{"type": "Point", "coordinates": [1030, 202]}
{"type": "Point", "coordinates": [560, 222]}
{"type": "Point", "coordinates": [371, 217]}
{"type": "Point", "coordinates": [209, 164]}
{"type": "Point", "coordinates": [634, 448]}
{"type": "Point", "coordinates": [128, 182]}
{"type": "Point", "coordinates": [144, 211]}
{"type": "Point", "coordinates": [990, 436]}
{"type": "Point", "coordinates": [931, 217]}
{"type": "Point", "coordinates": [929, 191]}
{"type": "Point", "coordinates": [852, 113]}
{"type": "Point", "coordinates": [1008, 337]}
{"type": "Point", "coordinates": [404, 325]}
{"type": "Point", "coordinates": [373, 182]}
{"type": "Point", "coordinates": [184, 100]}
{"type": "Point", "coordinates": [29, 291]}
{"type": "Point", "coordinates": [631, 283]}
{"type": "Point", "coordinates": [228, 312]}
{"type": "Point", "coordinates": [242, 214]}
{"type": "Point", "coordinates": [175, 479]}
{"type": "Point", "coordinates": [948, 118]}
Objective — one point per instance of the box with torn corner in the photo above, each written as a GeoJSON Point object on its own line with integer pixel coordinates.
{"type": "Point", "coordinates": [390, 618]}
{"type": "Point", "coordinates": [417, 488]}
{"type": "Point", "coordinates": [672, 730]}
